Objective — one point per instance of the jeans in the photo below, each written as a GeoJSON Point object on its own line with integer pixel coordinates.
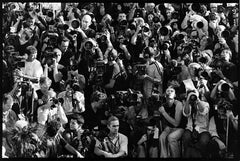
{"type": "Point", "coordinates": [195, 149]}
{"type": "Point", "coordinates": [169, 138]}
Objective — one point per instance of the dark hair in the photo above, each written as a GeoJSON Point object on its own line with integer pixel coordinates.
{"type": "Point", "coordinates": [96, 96]}
{"type": "Point", "coordinates": [78, 117]}
{"type": "Point", "coordinates": [53, 127]}
{"type": "Point", "coordinates": [149, 51]}
{"type": "Point", "coordinates": [112, 118]}
{"type": "Point", "coordinates": [5, 98]}
{"type": "Point", "coordinates": [31, 50]}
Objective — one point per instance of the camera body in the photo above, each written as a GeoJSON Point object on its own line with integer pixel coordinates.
{"type": "Point", "coordinates": [53, 39]}
{"type": "Point", "coordinates": [140, 69]}
{"type": "Point", "coordinates": [49, 55]}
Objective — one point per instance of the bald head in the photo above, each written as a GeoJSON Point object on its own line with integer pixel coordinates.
{"type": "Point", "coordinates": [86, 21]}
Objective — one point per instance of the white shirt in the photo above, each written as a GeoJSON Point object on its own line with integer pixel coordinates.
{"type": "Point", "coordinates": [67, 105]}
{"type": "Point", "coordinates": [33, 69]}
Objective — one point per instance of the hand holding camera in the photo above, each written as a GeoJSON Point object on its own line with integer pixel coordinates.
{"type": "Point", "coordinates": [161, 110]}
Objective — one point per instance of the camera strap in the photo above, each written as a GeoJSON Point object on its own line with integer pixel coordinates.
{"type": "Point", "coordinates": [193, 119]}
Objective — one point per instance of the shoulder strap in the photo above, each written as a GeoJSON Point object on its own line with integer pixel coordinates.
{"type": "Point", "coordinates": [158, 68]}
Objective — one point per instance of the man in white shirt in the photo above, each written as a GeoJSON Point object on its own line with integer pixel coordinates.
{"type": "Point", "coordinates": [33, 69]}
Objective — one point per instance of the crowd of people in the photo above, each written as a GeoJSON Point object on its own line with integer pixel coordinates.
{"type": "Point", "coordinates": [120, 80]}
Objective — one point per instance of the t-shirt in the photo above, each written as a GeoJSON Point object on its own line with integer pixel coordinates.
{"type": "Point", "coordinates": [33, 69]}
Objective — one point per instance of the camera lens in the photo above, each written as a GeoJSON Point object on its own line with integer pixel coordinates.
{"type": "Point", "coordinates": [75, 24]}
{"type": "Point", "coordinates": [225, 87]}
{"type": "Point", "coordinates": [50, 14]}
{"type": "Point", "coordinates": [193, 98]}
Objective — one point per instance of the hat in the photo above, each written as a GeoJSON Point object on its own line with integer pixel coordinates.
{"type": "Point", "coordinates": [194, 65]}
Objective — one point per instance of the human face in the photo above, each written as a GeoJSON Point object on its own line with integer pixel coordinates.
{"type": "Point", "coordinates": [44, 87]}
{"type": "Point", "coordinates": [32, 56]}
{"type": "Point", "coordinates": [8, 105]}
{"type": "Point", "coordinates": [225, 55]}
{"type": "Point", "coordinates": [86, 22]}
{"type": "Point", "coordinates": [203, 42]}
{"type": "Point", "coordinates": [69, 91]}
{"type": "Point", "coordinates": [114, 127]}
{"type": "Point", "coordinates": [59, 56]}
{"type": "Point", "coordinates": [64, 46]}
{"type": "Point", "coordinates": [150, 130]}
{"type": "Point", "coordinates": [100, 103]}
{"type": "Point", "coordinates": [122, 16]}
{"type": "Point", "coordinates": [74, 124]}
{"type": "Point", "coordinates": [170, 93]}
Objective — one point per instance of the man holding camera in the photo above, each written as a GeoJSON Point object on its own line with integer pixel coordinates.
{"type": "Point", "coordinates": [196, 136]}
{"type": "Point", "coordinates": [154, 73]}
{"type": "Point", "coordinates": [174, 124]}
{"type": "Point", "coordinates": [223, 133]}
{"type": "Point", "coordinates": [74, 101]}
{"type": "Point", "coordinates": [33, 69]}
{"type": "Point", "coordinates": [195, 82]}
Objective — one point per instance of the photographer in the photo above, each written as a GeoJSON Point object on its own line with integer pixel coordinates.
{"type": "Point", "coordinates": [96, 110]}
{"type": "Point", "coordinates": [9, 116]}
{"type": "Point", "coordinates": [74, 101]}
{"type": "Point", "coordinates": [55, 143]}
{"type": "Point", "coordinates": [218, 129]}
{"type": "Point", "coordinates": [90, 53]}
{"type": "Point", "coordinates": [148, 144]}
{"type": "Point", "coordinates": [52, 109]}
{"type": "Point", "coordinates": [33, 69]}
{"type": "Point", "coordinates": [154, 73]}
{"type": "Point", "coordinates": [53, 69]}
{"type": "Point", "coordinates": [174, 124]}
{"type": "Point", "coordinates": [112, 72]}
{"type": "Point", "coordinates": [196, 136]}
{"type": "Point", "coordinates": [116, 143]}
{"type": "Point", "coordinates": [28, 34]}
{"type": "Point", "coordinates": [195, 82]}
{"type": "Point", "coordinates": [73, 133]}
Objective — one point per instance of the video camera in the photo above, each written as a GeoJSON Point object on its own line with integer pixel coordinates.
{"type": "Point", "coordinates": [96, 75]}
{"type": "Point", "coordinates": [49, 55]}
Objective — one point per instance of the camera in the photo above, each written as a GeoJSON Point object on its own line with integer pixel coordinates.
{"type": "Point", "coordinates": [166, 45]}
{"type": "Point", "coordinates": [11, 39]}
{"type": "Point", "coordinates": [53, 39]}
{"type": "Point", "coordinates": [56, 101]}
{"type": "Point", "coordinates": [88, 45]}
{"type": "Point", "coordinates": [225, 34]}
{"type": "Point", "coordinates": [25, 86]}
{"type": "Point", "coordinates": [165, 30]}
{"type": "Point", "coordinates": [140, 69]}
{"type": "Point", "coordinates": [197, 24]}
{"type": "Point", "coordinates": [156, 19]}
{"type": "Point", "coordinates": [123, 24]}
{"type": "Point", "coordinates": [224, 87]}
{"type": "Point", "coordinates": [19, 13]}
{"type": "Point", "coordinates": [49, 55]}
{"type": "Point", "coordinates": [101, 37]}
{"type": "Point", "coordinates": [224, 106]}
{"type": "Point", "coordinates": [75, 24]}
